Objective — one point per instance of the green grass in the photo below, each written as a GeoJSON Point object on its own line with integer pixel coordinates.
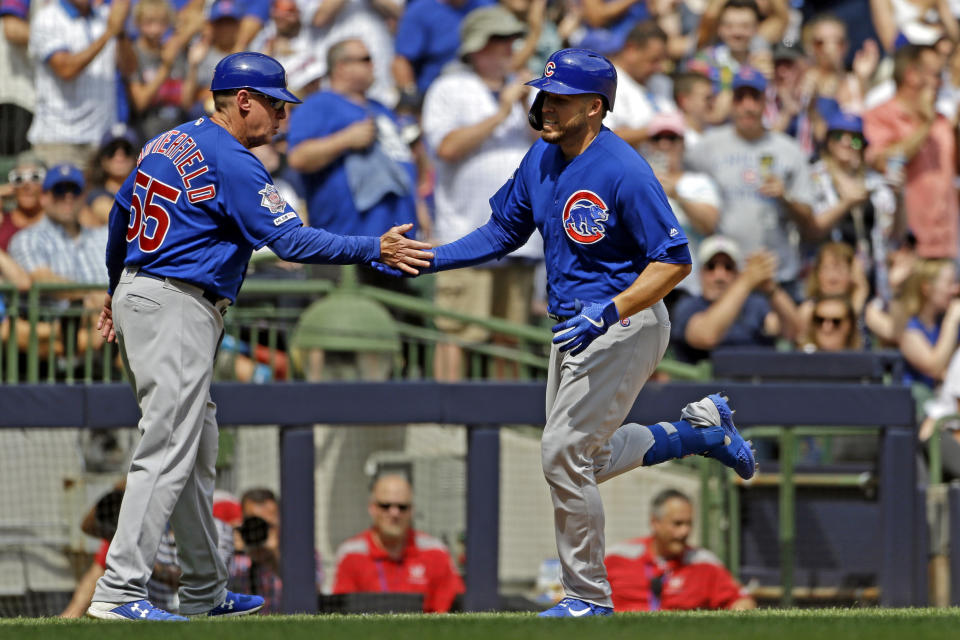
{"type": "Point", "coordinates": [767, 624]}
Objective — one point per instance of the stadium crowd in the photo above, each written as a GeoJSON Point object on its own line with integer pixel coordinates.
{"type": "Point", "coordinates": [809, 154]}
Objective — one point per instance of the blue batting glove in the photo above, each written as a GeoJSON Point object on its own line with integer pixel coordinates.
{"type": "Point", "coordinates": [591, 320]}
{"type": "Point", "coordinates": [390, 271]}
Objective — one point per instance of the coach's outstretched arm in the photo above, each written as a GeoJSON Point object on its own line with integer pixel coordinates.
{"type": "Point", "coordinates": [313, 245]}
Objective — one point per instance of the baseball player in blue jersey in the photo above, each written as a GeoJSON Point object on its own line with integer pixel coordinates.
{"type": "Point", "coordinates": [613, 250]}
{"type": "Point", "coordinates": [182, 230]}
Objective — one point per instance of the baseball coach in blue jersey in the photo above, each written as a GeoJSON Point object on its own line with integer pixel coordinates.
{"type": "Point", "coordinates": [613, 250]}
{"type": "Point", "coordinates": [182, 229]}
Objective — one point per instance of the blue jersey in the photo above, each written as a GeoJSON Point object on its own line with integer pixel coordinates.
{"type": "Point", "coordinates": [428, 35]}
{"type": "Point", "coordinates": [603, 217]}
{"type": "Point", "coordinates": [329, 199]}
{"type": "Point", "coordinates": [195, 208]}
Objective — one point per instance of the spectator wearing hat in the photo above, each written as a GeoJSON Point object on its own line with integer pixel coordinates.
{"type": "Point", "coordinates": [786, 109]}
{"type": "Point", "coordinates": [24, 182]}
{"type": "Point", "coordinates": [77, 48]}
{"type": "Point", "coordinates": [763, 177]}
{"type": "Point", "coordinates": [693, 196]}
{"type": "Point", "coordinates": [475, 122]}
{"type": "Point", "coordinates": [641, 56]}
{"type": "Point", "coordinates": [852, 203]}
{"type": "Point", "coordinates": [115, 159]}
{"type": "Point", "coordinates": [156, 87]}
{"type": "Point", "coordinates": [58, 248]}
{"type": "Point", "coordinates": [428, 36]}
{"type": "Point", "coordinates": [916, 148]}
{"type": "Point", "coordinates": [740, 304]}
{"type": "Point", "coordinates": [17, 91]}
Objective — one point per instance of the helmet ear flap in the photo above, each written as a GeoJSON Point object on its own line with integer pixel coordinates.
{"type": "Point", "coordinates": [535, 115]}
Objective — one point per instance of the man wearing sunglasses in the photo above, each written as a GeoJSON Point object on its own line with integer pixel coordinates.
{"type": "Point", "coordinates": [58, 248]}
{"type": "Point", "coordinates": [391, 556]}
{"type": "Point", "coordinates": [181, 233]}
{"type": "Point", "coordinates": [740, 304]}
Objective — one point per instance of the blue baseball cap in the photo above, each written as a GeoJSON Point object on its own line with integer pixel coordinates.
{"type": "Point", "coordinates": [749, 77]}
{"type": "Point", "coordinates": [841, 121]}
{"type": "Point", "coordinates": [225, 9]}
{"type": "Point", "coordinates": [604, 41]}
{"type": "Point", "coordinates": [63, 174]}
{"type": "Point", "coordinates": [119, 131]}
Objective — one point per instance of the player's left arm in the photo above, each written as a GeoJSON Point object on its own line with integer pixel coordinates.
{"type": "Point", "coordinates": [116, 253]}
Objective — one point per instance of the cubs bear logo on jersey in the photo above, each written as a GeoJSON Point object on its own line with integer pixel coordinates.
{"type": "Point", "coordinates": [583, 216]}
{"type": "Point", "coordinates": [272, 199]}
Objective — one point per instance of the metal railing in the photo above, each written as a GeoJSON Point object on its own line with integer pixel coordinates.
{"type": "Point", "coordinates": [58, 341]}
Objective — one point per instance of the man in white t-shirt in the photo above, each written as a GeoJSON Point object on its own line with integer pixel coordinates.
{"type": "Point", "coordinates": [640, 59]}
{"type": "Point", "coordinates": [74, 46]}
{"type": "Point", "coordinates": [475, 123]}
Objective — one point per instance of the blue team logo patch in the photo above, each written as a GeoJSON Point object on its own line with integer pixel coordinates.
{"type": "Point", "coordinates": [583, 217]}
{"type": "Point", "coordinates": [272, 199]}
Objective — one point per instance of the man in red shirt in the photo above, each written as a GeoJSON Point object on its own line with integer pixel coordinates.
{"type": "Point", "coordinates": [662, 572]}
{"type": "Point", "coordinates": [391, 556]}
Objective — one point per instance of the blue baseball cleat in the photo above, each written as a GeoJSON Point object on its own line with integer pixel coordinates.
{"type": "Point", "coordinates": [235, 604]}
{"type": "Point", "coordinates": [137, 610]}
{"type": "Point", "coordinates": [735, 452]}
{"type": "Point", "coordinates": [574, 608]}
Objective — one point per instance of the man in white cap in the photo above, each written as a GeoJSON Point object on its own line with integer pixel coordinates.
{"type": "Point", "coordinates": [741, 304]}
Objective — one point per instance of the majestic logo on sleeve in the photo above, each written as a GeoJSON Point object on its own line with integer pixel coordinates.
{"type": "Point", "coordinates": [272, 199]}
{"type": "Point", "coordinates": [583, 217]}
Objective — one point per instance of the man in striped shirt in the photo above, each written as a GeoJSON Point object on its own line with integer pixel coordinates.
{"type": "Point", "coordinates": [57, 248]}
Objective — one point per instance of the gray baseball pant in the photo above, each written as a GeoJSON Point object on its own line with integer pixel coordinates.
{"type": "Point", "coordinates": [585, 441]}
{"type": "Point", "coordinates": [168, 336]}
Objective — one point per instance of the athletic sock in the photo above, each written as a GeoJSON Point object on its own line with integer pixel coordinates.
{"type": "Point", "coordinates": [672, 440]}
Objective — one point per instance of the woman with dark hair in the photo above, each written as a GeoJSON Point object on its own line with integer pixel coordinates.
{"type": "Point", "coordinates": [114, 161]}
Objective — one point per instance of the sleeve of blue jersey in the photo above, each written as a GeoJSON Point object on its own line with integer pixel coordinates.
{"type": "Point", "coordinates": [243, 183]}
{"type": "Point", "coordinates": [510, 225]}
{"type": "Point", "coordinates": [117, 231]}
{"type": "Point", "coordinates": [651, 219]}
{"type": "Point", "coordinates": [410, 41]}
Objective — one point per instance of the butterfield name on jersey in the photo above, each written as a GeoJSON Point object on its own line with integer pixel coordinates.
{"type": "Point", "coordinates": [187, 159]}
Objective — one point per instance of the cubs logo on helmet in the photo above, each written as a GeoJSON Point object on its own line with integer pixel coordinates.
{"type": "Point", "coordinates": [583, 216]}
{"type": "Point", "coordinates": [549, 69]}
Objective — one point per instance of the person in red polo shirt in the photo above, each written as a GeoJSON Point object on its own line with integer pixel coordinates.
{"type": "Point", "coordinates": [662, 572]}
{"type": "Point", "coordinates": [391, 556]}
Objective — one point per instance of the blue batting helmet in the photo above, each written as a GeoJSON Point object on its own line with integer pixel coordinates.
{"type": "Point", "coordinates": [255, 71]}
{"type": "Point", "coordinates": [573, 71]}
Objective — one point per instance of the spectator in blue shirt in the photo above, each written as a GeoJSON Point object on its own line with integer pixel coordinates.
{"type": "Point", "coordinates": [359, 174]}
{"type": "Point", "coordinates": [740, 304]}
{"type": "Point", "coordinates": [428, 37]}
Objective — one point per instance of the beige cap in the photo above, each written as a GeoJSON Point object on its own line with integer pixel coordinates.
{"type": "Point", "coordinates": [482, 24]}
{"type": "Point", "coordinates": [719, 244]}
